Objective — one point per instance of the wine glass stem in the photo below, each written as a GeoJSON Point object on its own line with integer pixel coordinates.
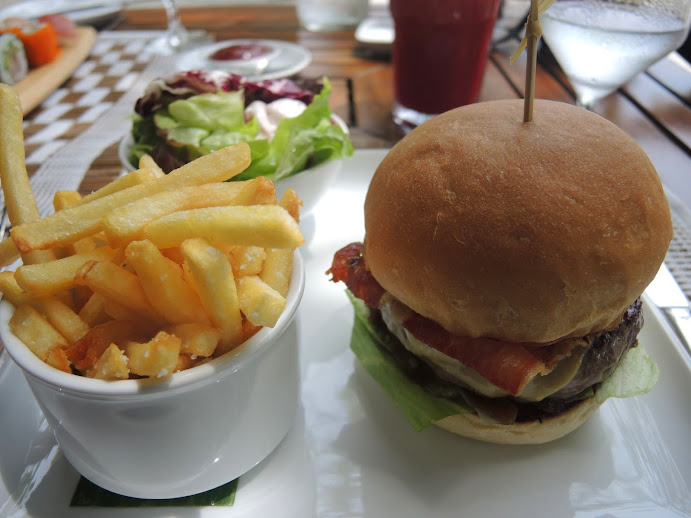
{"type": "Point", "coordinates": [176, 35]}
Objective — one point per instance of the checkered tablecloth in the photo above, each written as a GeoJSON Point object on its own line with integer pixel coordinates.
{"type": "Point", "coordinates": [99, 97]}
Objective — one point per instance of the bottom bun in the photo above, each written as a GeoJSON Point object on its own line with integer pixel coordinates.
{"type": "Point", "coordinates": [529, 432]}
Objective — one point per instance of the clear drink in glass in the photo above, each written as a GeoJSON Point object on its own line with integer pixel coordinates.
{"type": "Point", "coordinates": [601, 44]}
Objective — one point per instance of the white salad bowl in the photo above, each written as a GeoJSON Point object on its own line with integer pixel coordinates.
{"type": "Point", "coordinates": [180, 435]}
{"type": "Point", "coordinates": [310, 184]}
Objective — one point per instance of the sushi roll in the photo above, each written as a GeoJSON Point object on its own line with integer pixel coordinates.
{"type": "Point", "coordinates": [40, 40]}
{"type": "Point", "coordinates": [13, 63]}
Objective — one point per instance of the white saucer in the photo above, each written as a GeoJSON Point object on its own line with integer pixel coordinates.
{"type": "Point", "coordinates": [289, 59]}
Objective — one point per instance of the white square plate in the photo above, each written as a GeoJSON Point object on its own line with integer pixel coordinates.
{"type": "Point", "coordinates": [351, 453]}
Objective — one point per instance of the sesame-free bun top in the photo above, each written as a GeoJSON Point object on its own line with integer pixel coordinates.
{"type": "Point", "coordinates": [526, 232]}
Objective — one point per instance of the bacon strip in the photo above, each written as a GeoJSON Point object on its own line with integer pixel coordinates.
{"type": "Point", "coordinates": [509, 366]}
{"type": "Point", "coordinates": [349, 267]}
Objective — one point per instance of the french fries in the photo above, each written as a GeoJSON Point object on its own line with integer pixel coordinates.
{"type": "Point", "coordinates": [156, 358]}
{"type": "Point", "coordinates": [278, 263]}
{"type": "Point", "coordinates": [164, 284]}
{"type": "Point", "coordinates": [255, 225]}
{"type": "Point", "coordinates": [259, 302]}
{"type": "Point", "coordinates": [150, 274]}
{"type": "Point", "coordinates": [35, 331]}
{"type": "Point", "coordinates": [69, 225]}
{"type": "Point", "coordinates": [19, 198]}
{"type": "Point", "coordinates": [127, 223]}
{"type": "Point", "coordinates": [212, 276]}
{"type": "Point", "coordinates": [45, 279]}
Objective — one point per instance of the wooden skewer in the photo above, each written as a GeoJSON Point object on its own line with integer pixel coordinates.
{"type": "Point", "coordinates": [533, 33]}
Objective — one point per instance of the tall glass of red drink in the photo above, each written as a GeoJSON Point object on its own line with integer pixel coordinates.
{"type": "Point", "coordinates": [439, 54]}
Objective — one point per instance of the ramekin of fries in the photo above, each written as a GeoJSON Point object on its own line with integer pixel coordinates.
{"type": "Point", "coordinates": [153, 318]}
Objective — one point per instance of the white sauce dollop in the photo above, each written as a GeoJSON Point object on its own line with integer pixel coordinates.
{"type": "Point", "coordinates": [269, 115]}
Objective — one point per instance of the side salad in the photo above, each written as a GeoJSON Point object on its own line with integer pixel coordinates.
{"type": "Point", "coordinates": [193, 113]}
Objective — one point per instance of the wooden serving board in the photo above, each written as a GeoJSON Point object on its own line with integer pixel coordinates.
{"type": "Point", "coordinates": [41, 81]}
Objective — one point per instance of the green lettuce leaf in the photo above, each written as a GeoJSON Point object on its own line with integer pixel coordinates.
{"type": "Point", "coordinates": [636, 374]}
{"type": "Point", "coordinates": [306, 140]}
{"type": "Point", "coordinates": [197, 125]}
{"type": "Point", "coordinates": [144, 136]}
{"type": "Point", "coordinates": [368, 342]}
{"type": "Point", "coordinates": [222, 110]}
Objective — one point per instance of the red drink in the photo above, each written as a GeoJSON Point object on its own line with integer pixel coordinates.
{"type": "Point", "coordinates": [439, 54]}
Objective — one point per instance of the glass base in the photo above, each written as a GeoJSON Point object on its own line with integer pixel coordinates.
{"type": "Point", "coordinates": [331, 15]}
{"type": "Point", "coordinates": [407, 118]}
{"type": "Point", "coordinates": [169, 44]}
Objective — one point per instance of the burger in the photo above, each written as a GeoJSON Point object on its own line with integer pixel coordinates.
{"type": "Point", "coordinates": [497, 288]}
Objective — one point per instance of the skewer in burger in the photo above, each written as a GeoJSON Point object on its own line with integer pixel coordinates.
{"type": "Point", "coordinates": [497, 291]}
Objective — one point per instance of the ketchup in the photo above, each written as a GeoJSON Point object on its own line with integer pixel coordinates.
{"type": "Point", "coordinates": [241, 52]}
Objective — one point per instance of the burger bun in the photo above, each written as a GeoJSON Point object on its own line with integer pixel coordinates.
{"type": "Point", "coordinates": [524, 232]}
{"type": "Point", "coordinates": [539, 431]}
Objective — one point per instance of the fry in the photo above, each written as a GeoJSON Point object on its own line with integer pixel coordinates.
{"type": "Point", "coordinates": [291, 203]}
{"type": "Point", "coordinates": [214, 281]}
{"type": "Point", "coordinates": [187, 362]}
{"type": "Point", "coordinates": [93, 312]}
{"type": "Point", "coordinates": [174, 254]}
{"type": "Point", "coordinates": [63, 318]}
{"type": "Point", "coordinates": [146, 162]}
{"type": "Point", "coordinates": [156, 358]}
{"type": "Point", "coordinates": [246, 260]}
{"type": "Point", "coordinates": [86, 351]}
{"type": "Point", "coordinates": [45, 279]}
{"type": "Point", "coordinates": [277, 269]}
{"type": "Point", "coordinates": [278, 265]}
{"type": "Point", "coordinates": [248, 330]}
{"type": "Point", "coordinates": [11, 290]}
{"type": "Point", "coordinates": [69, 225]}
{"type": "Point", "coordinates": [19, 198]}
{"type": "Point", "coordinates": [259, 191]}
{"type": "Point", "coordinates": [118, 311]}
{"type": "Point", "coordinates": [112, 365]}
{"type": "Point", "coordinates": [117, 284]}
{"type": "Point", "coordinates": [35, 331]}
{"type": "Point", "coordinates": [127, 223]}
{"type": "Point", "coordinates": [164, 285]}
{"type": "Point", "coordinates": [143, 175]}
{"type": "Point", "coordinates": [258, 225]}
{"type": "Point", "coordinates": [259, 302]}
{"type": "Point", "coordinates": [8, 252]}
{"type": "Point", "coordinates": [57, 358]}
{"type": "Point", "coordinates": [63, 200]}
{"type": "Point", "coordinates": [196, 339]}
{"type": "Point", "coordinates": [59, 314]}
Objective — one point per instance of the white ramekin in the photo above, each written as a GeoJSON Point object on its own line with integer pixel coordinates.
{"type": "Point", "coordinates": [181, 435]}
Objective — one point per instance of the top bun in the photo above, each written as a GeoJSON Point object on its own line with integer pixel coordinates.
{"type": "Point", "coordinates": [526, 232]}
